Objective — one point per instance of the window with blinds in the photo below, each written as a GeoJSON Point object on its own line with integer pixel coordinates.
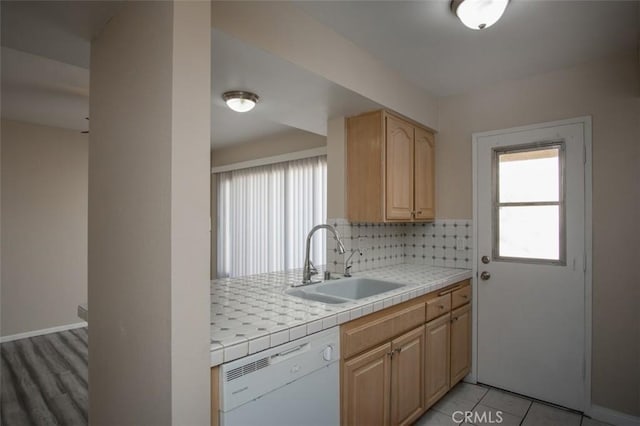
{"type": "Point", "coordinates": [265, 213]}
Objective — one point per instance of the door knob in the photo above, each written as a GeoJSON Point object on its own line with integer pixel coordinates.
{"type": "Point", "coordinates": [485, 259]}
{"type": "Point", "coordinates": [485, 275]}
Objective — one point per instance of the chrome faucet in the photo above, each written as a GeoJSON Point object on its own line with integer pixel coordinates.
{"type": "Point", "coordinates": [347, 265]}
{"type": "Point", "coordinates": [307, 270]}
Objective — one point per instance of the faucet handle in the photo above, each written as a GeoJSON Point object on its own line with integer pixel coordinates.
{"type": "Point", "coordinates": [347, 271]}
{"type": "Point", "coordinates": [312, 268]}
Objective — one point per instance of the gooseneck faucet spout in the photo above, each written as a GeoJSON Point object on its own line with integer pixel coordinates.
{"type": "Point", "coordinates": [306, 271]}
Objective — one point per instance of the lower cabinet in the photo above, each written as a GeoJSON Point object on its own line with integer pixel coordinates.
{"type": "Point", "coordinates": [385, 385]}
{"type": "Point", "coordinates": [407, 377]}
{"type": "Point", "coordinates": [460, 343]}
{"type": "Point", "coordinates": [366, 388]}
{"type": "Point", "coordinates": [436, 358]}
{"type": "Point", "coordinates": [215, 396]}
{"type": "Point", "coordinates": [398, 362]}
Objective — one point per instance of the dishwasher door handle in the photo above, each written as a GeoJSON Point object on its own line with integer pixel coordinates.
{"type": "Point", "coordinates": [284, 355]}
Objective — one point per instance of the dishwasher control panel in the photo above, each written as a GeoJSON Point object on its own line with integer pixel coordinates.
{"type": "Point", "coordinates": [248, 378]}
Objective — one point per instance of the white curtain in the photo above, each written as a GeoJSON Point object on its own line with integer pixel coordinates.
{"type": "Point", "coordinates": [265, 213]}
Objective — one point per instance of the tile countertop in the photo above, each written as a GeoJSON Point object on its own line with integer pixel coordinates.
{"type": "Point", "coordinates": [251, 314]}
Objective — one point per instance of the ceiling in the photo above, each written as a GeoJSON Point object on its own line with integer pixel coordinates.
{"type": "Point", "coordinates": [289, 95]}
{"type": "Point", "coordinates": [426, 43]}
{"type": "Point", "coordinates": [46, 48]}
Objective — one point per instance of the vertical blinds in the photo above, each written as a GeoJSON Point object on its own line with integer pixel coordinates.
{"type": "Point", "coordinates": [265, 213]}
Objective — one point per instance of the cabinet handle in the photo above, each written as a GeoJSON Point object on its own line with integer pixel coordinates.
{"type": "Point", "coordinates": [390, 353]}
{"type": "Point", "coordinates": [464, 296]}
{"type": "Point", "coordinates": [454, 319]}
{"type": "Point", "coordinates": [398, 350]}
{"type": "Point", "coordinates": [441, 306]}
{"type": "Point", "coordinates": [451, 290]}
{"type": "Point", "coordinates": [419, 212]}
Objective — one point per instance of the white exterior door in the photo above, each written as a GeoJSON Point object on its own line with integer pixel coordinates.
{"type": "Point", "coordinates": [531, 262]}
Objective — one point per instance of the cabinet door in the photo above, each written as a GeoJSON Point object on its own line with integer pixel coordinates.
{"type": "Point", "coordinates": [460, 343]}
{"type": "Point", "coordinates": [436, 366]}
{"type": "Point", "coordinates": [399, 170]}
{"type": "Point", "coordinates": [424, 175]}
{"type": "Point", "coordinates": [366, 386]}
{"type": "Point", "coordinates": [407, 377]}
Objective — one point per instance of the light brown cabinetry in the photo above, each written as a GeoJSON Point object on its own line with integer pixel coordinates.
{"type": "Point", "coordinates": [436, 359]}
{"type": "Point", "coordinates": [424, 172]}
{"type": "Point", "coordinates": [460, 343]}
{"type": "Point", "coordinates": [366, 388]}
{"type": "Point", "coordinates": [390, 169]}
{"type": "Point", "coordinates": [215, 396]}
{"type": "Point", "coordinates": [398, 362]}
{"type": "Point", "coordinates": [407, 377]}
{"type": "Point", "coordinates": [384, 386]}
{"type": "Point", "coordinates": [399, 169]}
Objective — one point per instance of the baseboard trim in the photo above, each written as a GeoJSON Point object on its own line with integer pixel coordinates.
{"type": "Point", "coordinates": [34, 333]}
{"type": "Point", "coordinates": [612, 416]}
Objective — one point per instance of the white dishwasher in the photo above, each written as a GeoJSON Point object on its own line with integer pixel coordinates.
{"type": "Point", "coordinates": [294, 384]}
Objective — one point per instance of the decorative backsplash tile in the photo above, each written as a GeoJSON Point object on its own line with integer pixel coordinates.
{"type": "Point", "coordinates": [380, 244]}
{"type": "Point", "coordinates": [445, 242]}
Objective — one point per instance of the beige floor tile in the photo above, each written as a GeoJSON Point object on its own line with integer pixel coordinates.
{"type": "Point", "coordinates": [469, 391]}
{"type": "Point", "coordinates": [506, 402]}
{"type": "Point", "coordinates": [452, 402]}
{"type": "Point", "coordinates": [545, 415]}
{"type": "Point", "coordinates": [484, 415]}
{"type": "Point", "coordinates": [586, 421]}
{"type": "Point", "coordinates": [435, 418]}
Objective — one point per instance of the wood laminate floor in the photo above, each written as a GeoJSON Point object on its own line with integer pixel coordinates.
{"type": "Point", "coordinates": [44, 380]}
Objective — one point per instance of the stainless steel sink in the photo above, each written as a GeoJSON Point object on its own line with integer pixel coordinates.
{"type": "Point", "coordinates": [344, 290]}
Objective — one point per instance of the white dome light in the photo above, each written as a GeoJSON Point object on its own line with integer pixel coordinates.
{"type": "Point", "coordinates": [479, 14]}
{"type": "Point", "coordinates": [240, 101]}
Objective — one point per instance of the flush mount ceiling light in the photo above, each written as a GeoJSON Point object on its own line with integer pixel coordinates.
{"type": "Point", "coordinates": [240, 101]}
{"type": "Point", "coordinates": [479, 14]}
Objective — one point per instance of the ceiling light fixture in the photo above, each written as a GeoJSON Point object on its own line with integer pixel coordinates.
{"type": "Point", "coordinates": [479, 14]}
{"type": "Point", "coordinates": [240, 101]}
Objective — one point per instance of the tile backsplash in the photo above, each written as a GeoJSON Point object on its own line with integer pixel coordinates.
{"type": "Point", "coordinates": [445, 242]}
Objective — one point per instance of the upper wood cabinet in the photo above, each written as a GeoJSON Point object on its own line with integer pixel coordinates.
{"type": "Point", "coordinates": [399, 170]}
{"type": "Point", "coordinates": [424, 172]}
{"type": "Point", "coordinates": [390, 169]}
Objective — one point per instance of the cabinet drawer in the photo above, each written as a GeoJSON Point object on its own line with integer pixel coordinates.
{"type": "Point", "coordinates": [460, 296]}
{"type": "Point", "coordinates": [438, 306]}
{"type": "Point", "coordinates": [371, 330]}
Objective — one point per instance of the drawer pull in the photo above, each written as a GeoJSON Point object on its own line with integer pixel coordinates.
{"type": "Point", "coordinates": [451, 290]}
{"type": "Point", "coordinates": [464, 296]}
{"type": "Point", "coordinates": [441, 306]}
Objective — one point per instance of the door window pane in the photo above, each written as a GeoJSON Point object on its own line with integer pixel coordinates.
{"type": "Point", "coordinates": [530, 232]}
{"type": "Point", "coordinates": [528, 199]}
{"type": "Point", "coordinates": [529, 176]}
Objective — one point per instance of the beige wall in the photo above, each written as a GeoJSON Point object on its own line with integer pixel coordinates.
{"type": "Point", "coordinates": [607, 91]}
{"type": "Point", "coordinates": [283, 143]}
{"type": "Point", "coordinates": [286, 31]}
{"type": "Point", "coordinates": [148, 216]}
{"type": "Point", "coordinates": [336, 163]}
{"type": "Point", "coordinates": [44, 226]}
